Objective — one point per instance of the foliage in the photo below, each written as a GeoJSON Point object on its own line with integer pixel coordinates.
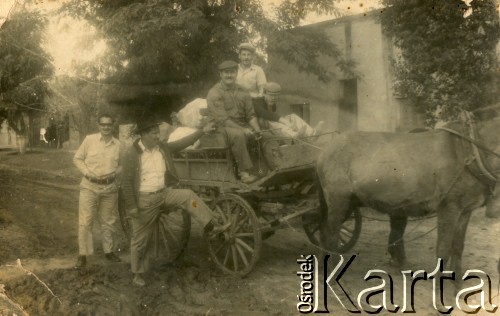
{"type": "Point", "coordinates": [447, 62]}
{"type": "Point", "coordinates": [78, 99]}
{"type": "Point", "coordinates": [24, 68]}
{"type": "Point", "coordinates": [164, 41]}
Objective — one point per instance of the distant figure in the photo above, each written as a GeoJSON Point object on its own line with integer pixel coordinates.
{"type": "Point", "coordinates": [62, 134]}
{"type": "Point", "coordinates": [43, 141]}
{"type": "Point", "coordinates": [97, 159]}
{"type": "Point", "coordinates": [51, 134]}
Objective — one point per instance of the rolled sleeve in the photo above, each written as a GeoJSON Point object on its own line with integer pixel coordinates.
{"type": "Point", "coordinates": [80, 155]}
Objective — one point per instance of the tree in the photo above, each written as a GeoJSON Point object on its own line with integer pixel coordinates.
{"type": "Point", "coordinates": [447, 62]}
{"type": "Point", "coordinates": [164, 41]}
{"type": "Point", "coordinates": [78, 99]}
{"type": "Point", "coordinates": [24, 68]}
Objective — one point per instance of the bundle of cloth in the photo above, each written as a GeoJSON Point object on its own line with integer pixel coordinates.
{"type": "Point", "coordinates": [187, 121]}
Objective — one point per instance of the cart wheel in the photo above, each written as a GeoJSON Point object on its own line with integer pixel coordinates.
{"type": "Point", "coordinates": [236, 250]}
{"type": "Point", "coordinates": [349, 233]}
{"type": "Point", "coordinates": [170, 233]}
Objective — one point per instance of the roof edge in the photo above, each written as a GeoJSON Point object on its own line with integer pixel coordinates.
{"type": "Point", "coordinates": [344, 19]}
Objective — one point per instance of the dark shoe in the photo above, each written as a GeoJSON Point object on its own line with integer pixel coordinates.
{"type": "Point", "coordinates": [248, 178]}
{"type": "Point", "coordinates": [112, 257]}
{"type": "Point", "coordinates": [138, 280]}
{"type": "Point", "coordinates": [81, 262]}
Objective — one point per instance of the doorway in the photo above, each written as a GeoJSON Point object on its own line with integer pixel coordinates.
{"type": "Point", "coordinates": [348, 106]}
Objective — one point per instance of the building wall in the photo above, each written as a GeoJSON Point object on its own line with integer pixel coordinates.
{"type": "Point", "coordinates": [361, 38]}
{"type": "Point", "coordinates": [7, 136]}
{"type": "Point", "coordinates": [375, 112]}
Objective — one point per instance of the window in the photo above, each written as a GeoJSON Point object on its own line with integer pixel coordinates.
{"type": "Point", "coordinates": [302, 110]}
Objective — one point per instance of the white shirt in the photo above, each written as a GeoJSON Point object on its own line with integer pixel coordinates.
{"type": "Point", "coordinates": [96, 156]}
{"type": "Point", "coordinates": [252, 79]}
{"type": "Point", "coordinates": [153, 169]}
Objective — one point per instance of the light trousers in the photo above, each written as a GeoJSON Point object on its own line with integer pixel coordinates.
{"type": "Point", "coordinates": [102, 201]}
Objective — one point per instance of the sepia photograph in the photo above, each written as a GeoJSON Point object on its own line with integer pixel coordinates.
{"type": "Point", "coordinates": [249, 157]}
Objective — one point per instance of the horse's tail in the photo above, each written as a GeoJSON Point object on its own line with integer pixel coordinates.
{"type": "Point", "coordinates": [321, 196]}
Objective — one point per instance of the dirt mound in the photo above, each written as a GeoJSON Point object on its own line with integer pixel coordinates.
{"type": "Point", "coordinates": [175, 289]}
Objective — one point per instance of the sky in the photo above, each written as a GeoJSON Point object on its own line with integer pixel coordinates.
{"type": "Point", "coordinates": [63, 35]}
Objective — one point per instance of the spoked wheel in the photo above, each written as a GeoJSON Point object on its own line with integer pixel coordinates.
{"type": "Point", "coordinates": [170, 235]}
{"type": "Point", "coordinates": [349, 232]}
{"type": "Point", "coordinates": [237, 249]}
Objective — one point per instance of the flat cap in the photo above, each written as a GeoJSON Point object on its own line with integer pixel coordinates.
{"type": "Point", "coordinates": [228, 64]}
{"type": "Point", "coordinates": [272, 88]}
{"type": "Point", "coordinates": [246, 46]}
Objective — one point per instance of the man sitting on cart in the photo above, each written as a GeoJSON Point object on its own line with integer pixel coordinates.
{"type": "Point", "coordinates": [231, 108]}
{"type": "Point", "coordinates": [147, 174]}
{"type": "Point", "coordinates": [290, 125]}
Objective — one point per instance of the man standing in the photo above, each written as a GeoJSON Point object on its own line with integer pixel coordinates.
{"type": "Point", "coordinates": [231, 108]}
{"type": "Point", "coordinates": [251, 77]}
{"type": "Point", "coordinates": [148, 171]}
{"type": "Point", "coordinates": [290, 125]}
{"type": "Point", "coordinates": [97, 159]}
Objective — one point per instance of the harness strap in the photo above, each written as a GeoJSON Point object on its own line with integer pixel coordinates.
{"type": "Point", "coordinates": [475, 145]}
{"type": "Point", "coordinates": [475, 142]}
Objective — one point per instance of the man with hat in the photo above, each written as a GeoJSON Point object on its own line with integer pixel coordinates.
{"type": "Point", "coordinates": [290, 125]}
{"type": "Point", "coordinates": [230, 106]}
{"type": "Point", "coordinates": [251, 77]}
{"type": "Point", "coordinates": [148, 173]}
{"type": "Point", "coordinates": [97, 159]}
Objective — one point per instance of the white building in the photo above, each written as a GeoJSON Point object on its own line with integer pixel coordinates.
{"type": "Point", "coordinates": [364, 104]}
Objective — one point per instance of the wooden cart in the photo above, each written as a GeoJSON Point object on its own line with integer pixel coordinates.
{"type": "Point", "coordinates": [285, 191]}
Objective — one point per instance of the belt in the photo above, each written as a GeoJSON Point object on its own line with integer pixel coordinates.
{"type": "Point", "coordinates": [101, 181]}
{"type": "Point", "coordinates": [154, 192]}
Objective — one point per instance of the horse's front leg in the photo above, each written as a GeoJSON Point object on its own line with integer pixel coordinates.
{"type": "Point", "coordinates": [458, 246]}
{"type": "Point", "coordinates": [447, 217]}
{"type": "Point", "coordinates": [396, 246]}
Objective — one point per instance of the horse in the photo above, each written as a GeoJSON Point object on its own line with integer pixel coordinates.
{"type": "Point", "coordinates": [407, 174]}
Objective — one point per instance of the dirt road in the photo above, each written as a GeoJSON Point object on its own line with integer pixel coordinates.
{"type": "Point", "coordinates": [38, 225]}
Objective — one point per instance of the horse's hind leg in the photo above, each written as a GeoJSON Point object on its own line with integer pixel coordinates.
{"type": "Point", "coordinates": [338, 205]}
{"type": "Point", "coordinates": [396, 243]}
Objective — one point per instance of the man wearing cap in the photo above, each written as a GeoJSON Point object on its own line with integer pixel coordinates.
{"type": "Point", "coordinates": [231, 108]}
{"type": "Point", "coordinates": [148, 173]}
{"type": "Point", "coordinates": [290, 125]}
{"type": "Point", "coordinates": [97, 159]}
{"type": "Point", "coordinates": [251, 77]}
